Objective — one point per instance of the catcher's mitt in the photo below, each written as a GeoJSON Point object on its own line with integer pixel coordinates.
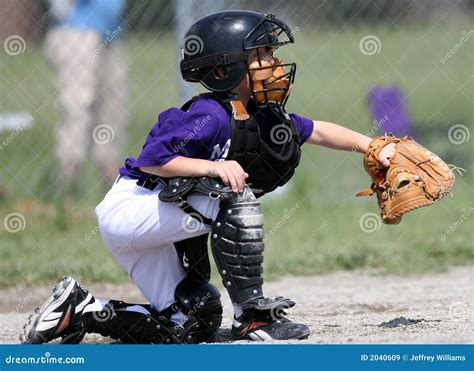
{"type": "Point", "coordinates": [415, 178]}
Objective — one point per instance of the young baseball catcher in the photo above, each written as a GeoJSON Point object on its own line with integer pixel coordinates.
{"type": "Point", "coordinates": [199, 175]}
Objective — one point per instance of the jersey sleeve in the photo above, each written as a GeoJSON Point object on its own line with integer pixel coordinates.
{"type": "Point", "coordinates": [303, 125]}
{"type": "Point", "coordinates": [159, 145]}
{"type": "Point", "coordinates": [177, 133]}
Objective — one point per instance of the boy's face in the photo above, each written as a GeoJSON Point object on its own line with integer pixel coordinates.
{"type": "Point", "coordinates": [266, 55]}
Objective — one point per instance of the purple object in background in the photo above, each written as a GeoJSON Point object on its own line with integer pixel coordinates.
{"type": "Point", "coordinates": [389, 110]}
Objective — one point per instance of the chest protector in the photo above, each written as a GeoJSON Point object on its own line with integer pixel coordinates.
{"type": "Point", "coordinates": [269, 165]}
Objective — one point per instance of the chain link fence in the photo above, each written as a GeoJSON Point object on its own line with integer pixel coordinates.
{"type": "Point", "coordinates": [81, 81]}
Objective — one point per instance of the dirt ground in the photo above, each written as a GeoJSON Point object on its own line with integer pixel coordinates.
{"type": "Point", "coordinates": [342, 307]}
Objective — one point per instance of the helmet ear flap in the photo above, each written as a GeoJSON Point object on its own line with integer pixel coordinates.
{"type": "Point", "coordinates": [220, 72]}
{"type": "Point", "coordinates": [217, 81]}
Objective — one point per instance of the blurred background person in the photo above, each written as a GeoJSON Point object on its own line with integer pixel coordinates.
{"type": "Point", "coordinates": [83, 45]}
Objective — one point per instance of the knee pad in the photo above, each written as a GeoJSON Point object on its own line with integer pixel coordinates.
{"type": "Point", "coordinates": [237, 246]}
{"type": "Point", "coordinates": [201, 301]}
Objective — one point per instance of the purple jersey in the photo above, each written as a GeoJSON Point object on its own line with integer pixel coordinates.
{"type": "Point", "coordinates": [203, 131]}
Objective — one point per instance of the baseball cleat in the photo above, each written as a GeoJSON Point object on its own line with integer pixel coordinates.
{"type": "Point", "coordinates": [261, 326]}
{"type": "Point", "coordinates": [59, 316]}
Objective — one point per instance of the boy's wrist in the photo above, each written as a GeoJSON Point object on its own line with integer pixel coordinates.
{"type": "Point", "coordinates": [211, 169]}
{"type": "Point", "coordinates": [363, 144]}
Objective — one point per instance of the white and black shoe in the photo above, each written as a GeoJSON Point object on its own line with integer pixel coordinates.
{"type": "Point", "coordinates": [59, 316]}
{"type": "Point", "coordinates": [259, 325]}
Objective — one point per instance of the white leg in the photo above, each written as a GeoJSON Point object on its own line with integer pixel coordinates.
{"type": "Point", "coordinates": [140, 230]}
{"type": "Point", "coordinates": [70, 51]}
{"type": "Point", "coordinates": [156, 272]}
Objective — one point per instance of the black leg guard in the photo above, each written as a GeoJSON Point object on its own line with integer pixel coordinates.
{"type": "Point", "coordinates": [131, 327]}
{"type": "Point", "coordinates": [194, 258]}
{"type": "Point", "coordinates": [237, 246]}
{"type": "Point", "coordinates": [142, 324]}
{"type": "Point", "coordinates": [195, 296]}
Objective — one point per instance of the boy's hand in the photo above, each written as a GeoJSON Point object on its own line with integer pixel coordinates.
{"type": "Point", "coordinates": [386, 153]}
{"type": "Point", "coordinates": [231, 174]}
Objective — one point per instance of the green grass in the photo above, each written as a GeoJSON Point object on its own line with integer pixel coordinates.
{"type": "Point", "coordinates": [323, 233]}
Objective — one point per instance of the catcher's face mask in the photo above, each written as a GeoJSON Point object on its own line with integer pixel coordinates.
{"type": "Point", "coordinates": [271, 80]}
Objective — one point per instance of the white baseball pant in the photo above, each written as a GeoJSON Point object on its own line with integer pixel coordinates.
{"type": "Point", "coordinates": [139, 230]}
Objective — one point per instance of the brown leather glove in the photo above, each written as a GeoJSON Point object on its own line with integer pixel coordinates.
{"type": "Point", "coordinates": [415, 178]}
